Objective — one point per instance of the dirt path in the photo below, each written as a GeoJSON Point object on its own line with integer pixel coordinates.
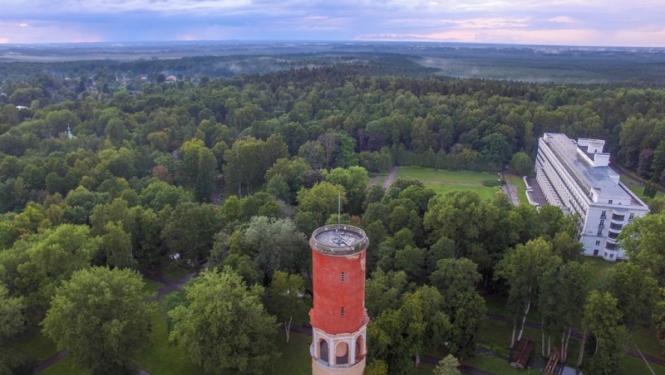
{"type": "Point", "coordinates": [390, 178]}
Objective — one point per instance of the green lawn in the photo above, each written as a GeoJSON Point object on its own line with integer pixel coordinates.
{"type": "Point", "coordinates": [172, 271]}
{"type": "Point", "coordinates": [646, 341]}
{"type": "Point", "coordinates": [444, 176]}
{"type": "Point", "coordinates": [483, 191]}
{"type": "Point", "coordinates": [521, 187]}
{"type": "Point", "coordinates": [35, 345]}
{"type": "Point", "coordinates": [496, 304]}
{"type": "Point", "coordinates": [161, 357]}
{"type": "Point", "coordinates": [495, 365]}
{"type": "Point", "coordinates": [425, 369]}
{"type": "Point", "coordinates": [294, 358]}
{"type": "Point", "coordinates": [638, 189]}
{"type": "Point", "coordinates": [442, 181]}
{"type": "Point", "coordinates": [598, 266]}
{"type": "Point", "coordinates": [64, 366]}
{"type": "Point", "coordinates": [631, 365]}
{"type": "Point", "coordinates": [151, 286]}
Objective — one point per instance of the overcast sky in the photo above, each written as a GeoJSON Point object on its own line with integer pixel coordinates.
{"type": "Point", "coordinates": [562, 22]}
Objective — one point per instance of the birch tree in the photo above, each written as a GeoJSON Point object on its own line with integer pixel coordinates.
{"type": "Point", "coordinates": [521, 268]}
{"type": "Point", "coordinates": [285, 298]}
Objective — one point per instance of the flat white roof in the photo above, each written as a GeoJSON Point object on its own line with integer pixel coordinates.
{"type": "Point", "coordinates": [602, 179]}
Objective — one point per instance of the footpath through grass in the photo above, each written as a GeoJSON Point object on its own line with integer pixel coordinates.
{"type": "Point", "coordinates": [443, 181]}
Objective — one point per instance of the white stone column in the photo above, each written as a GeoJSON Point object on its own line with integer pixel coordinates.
{"type": "Point", "coordinates": [352, 348]}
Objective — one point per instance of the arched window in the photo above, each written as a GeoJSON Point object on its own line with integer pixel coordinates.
{"type": "Point", "coordinates": [323, 350]}
{"type": "Point", "coordinates": [360, 348]}
{"type": "Point", "coordinates": [342, 353]}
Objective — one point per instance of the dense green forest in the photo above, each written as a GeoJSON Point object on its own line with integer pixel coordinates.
{"type": "Point", "coordinates": [236, 173]}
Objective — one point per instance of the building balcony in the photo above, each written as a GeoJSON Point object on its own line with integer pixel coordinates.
{"type": "Point", "coordinates": [615, 226]}
{"type": "Point", "coordinates": [612, 235]}
{"type": "Point", "coordinates": [610, 246]}
{"type": "Point", "coordinates": [618, 218]}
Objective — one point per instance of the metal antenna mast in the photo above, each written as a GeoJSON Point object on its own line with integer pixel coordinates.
{"type": "Point", "coordinates": [339, 208]}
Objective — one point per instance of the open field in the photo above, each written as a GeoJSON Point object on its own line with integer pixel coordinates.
{"type": "Point", "coordinates": [443, 181]}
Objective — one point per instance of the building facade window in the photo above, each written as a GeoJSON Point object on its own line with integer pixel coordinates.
{"type": "Point", "coordinates": [610, 202]}
{"type": "Point", "coordinates": [603, 215]}
{"type": "Point", "coordinates": [631, 216]}
{"type": "Point", "coordinates": [597, 243]}
{"type": "Point", "coordinates": [600, 232]}
{"type": "Point", "coordinates": [343, 276]}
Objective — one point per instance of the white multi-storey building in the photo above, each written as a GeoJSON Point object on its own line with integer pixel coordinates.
{"type": "Point", "coordinates": [576, 177]}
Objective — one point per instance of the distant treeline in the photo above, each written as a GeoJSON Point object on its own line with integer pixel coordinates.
{"type": "Point", "coordinates": [332, 116]}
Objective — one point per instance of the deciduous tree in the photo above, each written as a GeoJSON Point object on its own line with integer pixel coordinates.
{"type": "Point", "coordinates": [102, 317]}
{"type": "Point", "coordinates": [224, 326]}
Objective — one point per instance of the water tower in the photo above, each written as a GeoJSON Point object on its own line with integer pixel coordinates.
{"type": "Point", "coordinates": [339, 318]}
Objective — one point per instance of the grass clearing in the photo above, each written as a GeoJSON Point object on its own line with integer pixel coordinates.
{"type": "Point", "coordinates": [598, 266]}
{"type": "Point", "coordinates": [443, 181]}
{"type": "Point", "coordinates": [36, 345]}
{"type": "Point", "coordinates": [494, 365]}
{"type": "Point", "coordinates": [483, 191]}
{"type": "Point", "coordinates": [637, 187]}
{"type": "Point", "coordinates": [294, 358]}
{"type": "Point", "coordinates": [442, 176]}
{"type": "Point", "coordinates": [162, 357]}
{"type": "Point", "coordinates": [64, 366]}
{"type": "Point", "coordinates": [631, 365]}
{"type": "Point", "coordinates": [151, 286]}
{"type": "Point", "coordinates": [496, 304]}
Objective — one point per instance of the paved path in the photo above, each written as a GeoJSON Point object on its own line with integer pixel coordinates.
{"type": "Point", "coordinates": [510, 190]}
{"type": "Point", "coordinates": [47, 363]}
{"type": "Point", "coordinates": [390, 178]}
{"type": "Point", "coordinates": [171, 285]}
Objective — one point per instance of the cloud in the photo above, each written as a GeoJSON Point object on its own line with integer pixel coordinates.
{"type": "Point", "coordinates": [562, 19]}
{"type": "Point", "coordinates": [580, 22]}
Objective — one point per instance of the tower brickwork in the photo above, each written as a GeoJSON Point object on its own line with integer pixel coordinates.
{"type": "Point", "coordinates": [339, 318]}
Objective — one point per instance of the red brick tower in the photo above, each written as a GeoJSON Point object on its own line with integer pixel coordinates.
{"type": "Point", "coordinates": [339, 318]}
